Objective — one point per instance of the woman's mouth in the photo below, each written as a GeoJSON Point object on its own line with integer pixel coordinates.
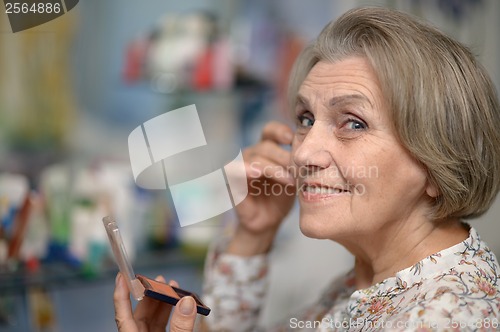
{"type": "Point", "coordinates": [313, 192]}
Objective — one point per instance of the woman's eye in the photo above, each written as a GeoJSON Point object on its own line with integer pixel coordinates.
{"type": "Point", "coordinates": [355, 124]}
{"type": "Point", "coordinates": [305, 121]}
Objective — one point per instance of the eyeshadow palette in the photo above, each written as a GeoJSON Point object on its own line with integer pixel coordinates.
{"type": "Point", "coordinates": [169, 294]}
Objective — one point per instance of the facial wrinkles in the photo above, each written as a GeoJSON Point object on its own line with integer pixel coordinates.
{"type": "Point", "coordinates": [320, 107]}
{"type": "Point", "coordinates": [321, 86]}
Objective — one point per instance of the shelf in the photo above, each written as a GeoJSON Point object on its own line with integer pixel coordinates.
{"type": "Point", "coordinates": [59, 274]}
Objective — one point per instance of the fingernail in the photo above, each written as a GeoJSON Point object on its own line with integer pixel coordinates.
{"type": "Point", "coordinates": [187, 305]}
{"type": "Point", "coordinates": [160, 279]}
{"type": "Point", "coordinates": [255, 173]}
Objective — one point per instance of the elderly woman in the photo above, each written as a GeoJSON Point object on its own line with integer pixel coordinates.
{"type": "Point", "coordinates": [396, 144]}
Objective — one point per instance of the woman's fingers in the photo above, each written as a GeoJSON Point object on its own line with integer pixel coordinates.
{"type": "Point", "coordinates": [261, 167]}
{"type": "Point", "coordinates": [278, 132]}
{"type": "Point", "coordinates": [271, 146]}
{"type": "Point", "coordinates": [173, 283]}
{"type": "Point", "coordinates": [268, 158]}
{"type": "Point", "coordinates": [123, 308]}
{"type": "Point", "coordinates": [145, 309]}
{"type": "Point", "coordinates": [152, 313]}
{"type": "Point", "coordinates": [184, 315]}
{"type": "Point", "coordinates": [270, 150]}
{"type": "Point", "coordinates": [162, 313]}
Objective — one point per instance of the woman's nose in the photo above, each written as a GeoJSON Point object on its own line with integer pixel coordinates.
{"type": "Point", "coordinates": [312, 150]}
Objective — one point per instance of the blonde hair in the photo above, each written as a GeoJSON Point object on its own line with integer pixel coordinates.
{"type": "Point", "coordinates": [442, 102]}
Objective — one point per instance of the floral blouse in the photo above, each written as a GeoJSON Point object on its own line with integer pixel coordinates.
{"type": "Point", "coordinates": [456, 289]}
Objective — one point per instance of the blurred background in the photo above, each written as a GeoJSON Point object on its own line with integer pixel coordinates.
{"type": "Point", "coordinates": [73, 89]}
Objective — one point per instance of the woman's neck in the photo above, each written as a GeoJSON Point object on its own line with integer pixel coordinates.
{"type": "Point", "coordinates": [381, 256]}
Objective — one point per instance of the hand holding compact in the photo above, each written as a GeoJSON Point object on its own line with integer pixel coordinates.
{"type": "Point", "coordinates": [151, 315]}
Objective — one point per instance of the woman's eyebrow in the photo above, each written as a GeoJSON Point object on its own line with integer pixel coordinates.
{"type": "Point", "coordinates": [301, 100]}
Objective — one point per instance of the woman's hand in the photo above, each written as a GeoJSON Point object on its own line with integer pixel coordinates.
{"type": "Point", "coordinates": [151, 315]}
{"type": "Point", "coordinates": [271, 191]}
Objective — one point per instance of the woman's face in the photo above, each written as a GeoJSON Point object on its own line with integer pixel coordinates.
{"type": "Point", "coordinates": [355, 177]}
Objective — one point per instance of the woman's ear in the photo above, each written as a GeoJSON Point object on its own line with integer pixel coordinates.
{"type": "Point", "coordinates": [431, 190]}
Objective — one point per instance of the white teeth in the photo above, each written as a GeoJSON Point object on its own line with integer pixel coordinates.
{"type": "Point", "coordinates": [322, 190]}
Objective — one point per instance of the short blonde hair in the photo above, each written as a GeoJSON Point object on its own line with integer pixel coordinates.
{"type": "Point", "coordinates": [442, 102]}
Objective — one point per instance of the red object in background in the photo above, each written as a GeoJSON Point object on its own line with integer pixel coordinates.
{"type": "Point", "coordinates": [134, 60]}
{"type": "Point", "coordinates": [33, 264]}
{"type": "Point", "coordinates": [20, 225]}
{"type": "Point", "coordinates": [203, 70]}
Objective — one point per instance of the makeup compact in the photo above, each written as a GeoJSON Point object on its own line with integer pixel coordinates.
{"type": "Point", "coordinates": [139, 285]}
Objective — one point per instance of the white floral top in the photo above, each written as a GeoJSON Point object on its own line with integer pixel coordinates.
{"type": "Point", "coordinates": [457, 289]}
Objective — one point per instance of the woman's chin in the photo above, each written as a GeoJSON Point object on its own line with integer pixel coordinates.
{"type": "Point", "coordinates": [312, 230]}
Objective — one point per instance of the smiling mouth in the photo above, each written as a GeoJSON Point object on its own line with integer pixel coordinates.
{"type": "Point", "coordinates": [321, 190]}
